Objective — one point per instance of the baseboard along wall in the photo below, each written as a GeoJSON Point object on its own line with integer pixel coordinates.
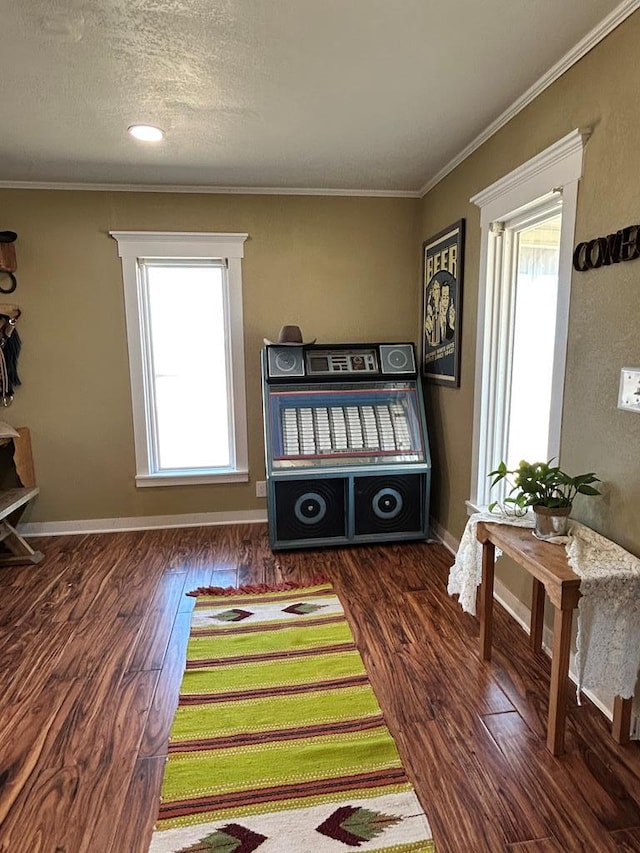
{"type": "Point", "coordinates": [149, 522]}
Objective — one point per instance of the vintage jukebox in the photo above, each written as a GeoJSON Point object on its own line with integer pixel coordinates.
{"type": "Point", "coordinates": [347, 451]}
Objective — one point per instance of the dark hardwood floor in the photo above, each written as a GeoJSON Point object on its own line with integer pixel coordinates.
{"type": "Point", "coordinates": [92, 643]}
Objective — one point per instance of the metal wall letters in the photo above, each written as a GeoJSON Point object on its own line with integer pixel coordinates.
{"type": "Point", "coordinates": [624, 245]}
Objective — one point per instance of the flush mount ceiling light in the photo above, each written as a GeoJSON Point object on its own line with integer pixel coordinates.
{"type": "Point", "coordinates": [146, 132]}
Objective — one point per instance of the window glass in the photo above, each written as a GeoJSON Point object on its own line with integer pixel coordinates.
{"type": "Point", "coordinates": [188, 365]}
{"type": "Point", "coordinates": [536, 295]}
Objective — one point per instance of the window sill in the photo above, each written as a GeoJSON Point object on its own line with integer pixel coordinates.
{"type": "Point", "coordinates": [182, 478]}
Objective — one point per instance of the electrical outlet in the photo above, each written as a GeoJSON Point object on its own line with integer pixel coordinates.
{"type": "Point", "coordinates": [629, 391]}
{"type": "Point", "coordinates": [261, 489]}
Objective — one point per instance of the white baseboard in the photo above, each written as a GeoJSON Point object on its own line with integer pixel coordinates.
{"type": "Point", "coordinates": [114, 525]}
{"type": "Point", "coordinates": [450, 542]}
{"type": "Point", "coordinates": [522, 614]}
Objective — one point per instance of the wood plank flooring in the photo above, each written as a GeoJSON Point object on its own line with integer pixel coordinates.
{"type": "Point", "coordinates": [92, 643]}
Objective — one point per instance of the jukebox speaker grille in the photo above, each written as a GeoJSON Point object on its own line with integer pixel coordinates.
{"type": "Point", "coordinates": [310, 509]}
{"type": "Point", "coordinates": [391, 504]}
{"type": "Point", "coordinates": [285, 361]}
{"type": "Point", "coordinates": [397, 358]}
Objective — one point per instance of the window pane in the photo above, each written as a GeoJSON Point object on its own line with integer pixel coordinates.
{"type": "Point", "coordinates": [187, 331]}
{"type": "Point", "coordinates": [536, 295]}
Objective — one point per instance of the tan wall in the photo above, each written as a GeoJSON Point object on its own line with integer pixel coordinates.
{"type": "Point", "coordinates": [604, 322]}
{"type": "Point", "coordinates": [342, 268]}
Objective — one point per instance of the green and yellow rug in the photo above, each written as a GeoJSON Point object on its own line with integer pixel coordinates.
{"type": "Point", "coordinates": [278, 744]}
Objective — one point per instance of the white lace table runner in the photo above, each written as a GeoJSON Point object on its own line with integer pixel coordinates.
{"type": "Point", "coordinates": [608, 642]}
{"type": "Point", "coordinates": [465, 575]}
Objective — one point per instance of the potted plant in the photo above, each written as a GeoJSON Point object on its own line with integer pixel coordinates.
{"type": "Point", "coordinates": [546, 488]}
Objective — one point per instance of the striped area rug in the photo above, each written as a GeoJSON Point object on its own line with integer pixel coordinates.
{"type": "Point", "coordinates": [278, 743]}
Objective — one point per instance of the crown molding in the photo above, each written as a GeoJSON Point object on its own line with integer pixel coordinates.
{"type": "Point", "coordinates": [597, 34]}
{"type": "Point", "coordinates": [205, 190]}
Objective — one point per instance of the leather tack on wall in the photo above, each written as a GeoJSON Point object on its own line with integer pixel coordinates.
{"type": "Point", "coordinates": [8, 261]}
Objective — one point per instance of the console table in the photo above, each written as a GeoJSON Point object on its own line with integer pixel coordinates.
{"type": "Point", "coordinates": [549, 568]}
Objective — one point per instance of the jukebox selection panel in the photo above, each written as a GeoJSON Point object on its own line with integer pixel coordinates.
{"type": "Point", "coordinates": [314, 425]}
{"type": "Point", "coordinates": [338, 429]}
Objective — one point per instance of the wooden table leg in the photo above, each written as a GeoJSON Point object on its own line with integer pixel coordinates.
{"type": "Point", "coordinates": [486, 599]}
{"type": "Point", "coordinates": [537, 616]}
{"type": "Point", "coordinates": [621, 719]}
{"type": "Point", "coordinates": [559, 676]}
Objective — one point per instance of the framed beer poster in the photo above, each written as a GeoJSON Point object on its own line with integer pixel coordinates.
{"type": "Point", "coordinates": [442, 270]}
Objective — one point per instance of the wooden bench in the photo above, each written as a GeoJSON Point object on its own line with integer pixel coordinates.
{"type": "Point", "coordinates": [20, 488]}
{"type": "Point", "coordinates": [551, 573]}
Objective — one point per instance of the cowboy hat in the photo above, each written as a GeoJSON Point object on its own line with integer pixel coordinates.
{"type": "Point", "coordinates": [290, 336]}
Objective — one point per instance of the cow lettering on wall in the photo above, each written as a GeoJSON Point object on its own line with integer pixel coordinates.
{"type": "Point", "coordinates": [624, 245]}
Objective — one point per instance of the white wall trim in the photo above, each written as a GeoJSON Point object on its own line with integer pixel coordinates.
{"type": "Point", "coordinates": [205, 190]}
{"type": "Point", "coordinates": [522, 614]}
{"type": "Point", "coordinates": [224, 250]}
{"type": "Point", "coordinates": [144, 481]}
{"type": "Point", "coordinates": [562, 159]}
{"type": "Point", "coordinates": [149, 522]}
{"type": "Point", "coordinates": [195, 244]}
{"type": "Point", "coordinates": [450, 542]}
{"type": "Point", "coordinates": [597, 34]}
{"type": "Point", "coordinates": [557, 169]}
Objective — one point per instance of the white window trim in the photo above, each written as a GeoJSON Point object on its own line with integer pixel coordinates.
{"type": "Point", "coordinates": [133, 245]}
{"type": "Point", "coordinates": [557, 169]}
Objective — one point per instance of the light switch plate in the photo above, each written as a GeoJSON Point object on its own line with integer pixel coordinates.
{"type": "Point", "coordinates": [629, 393]}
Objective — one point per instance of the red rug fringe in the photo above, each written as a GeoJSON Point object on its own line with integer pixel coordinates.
{"type": "Point", "coordinates": [255, 589]}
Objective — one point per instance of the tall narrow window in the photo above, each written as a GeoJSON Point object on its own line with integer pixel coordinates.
{"type": "Point", "coordinates": [529, 288]}
{"type": "Point", "coordinates": [535, 282]}
{"type": "Point", "coordinates": [528, 221]}
{"type": "Point", "coordinates": [184, 326]}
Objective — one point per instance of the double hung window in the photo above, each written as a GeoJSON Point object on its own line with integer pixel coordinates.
{"type": "Point", "coordinates": [527, 223]}
{"type": "Point", "coordinates": [183, 299]}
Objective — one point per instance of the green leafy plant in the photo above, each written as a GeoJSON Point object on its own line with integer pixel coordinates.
{"type": "Point", "coordinates": [540, 484]}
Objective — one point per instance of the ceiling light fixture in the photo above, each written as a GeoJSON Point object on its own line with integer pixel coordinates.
{"type": "Point", "coordinates": [146, 132]}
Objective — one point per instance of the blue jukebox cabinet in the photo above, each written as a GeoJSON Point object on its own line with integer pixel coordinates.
{"type": "Point", "coordinates": [347, 451]}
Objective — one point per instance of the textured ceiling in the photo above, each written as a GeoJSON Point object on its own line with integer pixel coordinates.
{"type": "Point", "coordinates": [350, 94]}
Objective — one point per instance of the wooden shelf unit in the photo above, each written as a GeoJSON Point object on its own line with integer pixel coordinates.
{"type": "Point", "coordinates": [13, 502]}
